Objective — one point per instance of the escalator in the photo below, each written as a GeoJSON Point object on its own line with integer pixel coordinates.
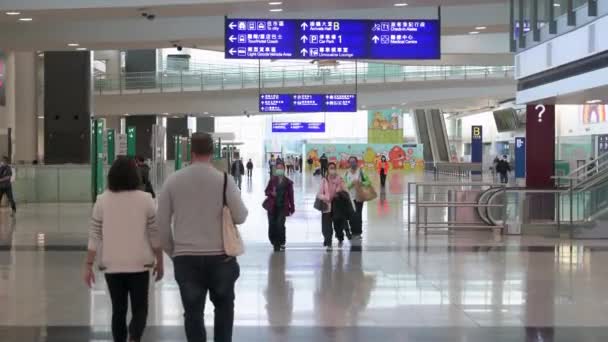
{"type": "Point", "coordinates": [439, 135]}
{"type": "Point", "coordinates": [432, 133]}
{"type": "Point", "coordinates": [422, 130]}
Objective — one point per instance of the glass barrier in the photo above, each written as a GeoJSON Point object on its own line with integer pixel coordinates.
{"type": "Point", "coordinates": [220, 77]}
{"type": "Point", "coordinates": [53, 184]}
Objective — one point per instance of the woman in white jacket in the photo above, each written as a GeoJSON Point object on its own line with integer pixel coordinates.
{"type": "Point", "coordinates": [330, 186]}
{"type": "Point", "coordinates": [124, 234]}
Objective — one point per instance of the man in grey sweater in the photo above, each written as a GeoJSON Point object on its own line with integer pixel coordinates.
{"type": "Point", "coordinates": [192, 199]}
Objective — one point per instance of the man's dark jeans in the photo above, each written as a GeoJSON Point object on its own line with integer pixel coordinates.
{"type": "Point", "coordinates": [195, 276]}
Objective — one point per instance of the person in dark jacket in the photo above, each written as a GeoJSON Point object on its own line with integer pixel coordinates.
{"type": "Point", "coordinates": [503, 167]}
{"type": "Point", "coordinates": [238, 171]}
{"type": "Point", "coordinates": [324, 165]}
{"type": "Point", "coordinates": [144, 175]}
{"type": "Point", "coordinates": [6, 185]}
{"type": "Point", "coordinates": [249, 168]}
{"type": "Point", "coordinates": [279, 204]}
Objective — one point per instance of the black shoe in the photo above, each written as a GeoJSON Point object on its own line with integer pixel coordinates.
{"type": "Point", "coordinates": [349, 235]}
{"type": "Point", "coordinates": [282, 247]}
{"type": "Point", "coordinates": [277, 248]}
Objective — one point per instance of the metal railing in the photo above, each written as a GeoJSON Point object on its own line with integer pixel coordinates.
{"type": "Point", "coordinates": [453, 169]}
{"type": "Point", "coordinates": [460, 200]}
{"type": "Point", "coordinates": [221, 77]}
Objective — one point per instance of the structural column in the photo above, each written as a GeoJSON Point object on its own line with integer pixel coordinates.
{"type": "Point", "coordinates": [21, 104]}
{"type": "Point", "coordinates": [540, 159]}
{"type": "Point", "coordinates": [540, 146]}
{"type": "Point", "coordinates": [67, 107]}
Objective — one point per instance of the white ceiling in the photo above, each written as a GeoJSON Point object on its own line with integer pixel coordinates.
{"type": "Point", "coordinates": [118, 24]}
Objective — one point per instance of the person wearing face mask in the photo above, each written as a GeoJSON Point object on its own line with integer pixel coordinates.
{"type": "Point", "coordinates": [330, 186]}
{"type": "Point", "coordinates": [355, 177]}
{"type": "Point", "coordinates": [383, 168]}
{"type": "Point", "coordinates": [279, 204]}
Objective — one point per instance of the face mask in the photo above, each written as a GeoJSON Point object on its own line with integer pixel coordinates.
{"type": "Point", "coordinates": [332, 172]}
{"type": "Point", "coordinates": [279, 173]}
{"type": "Point", "coordinates": [353, 165]}
{"type": "Point", "coordinates": [383, 159]}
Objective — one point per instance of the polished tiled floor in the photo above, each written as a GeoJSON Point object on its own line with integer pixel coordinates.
{"type": "Point", "coordinates": [396, 286]}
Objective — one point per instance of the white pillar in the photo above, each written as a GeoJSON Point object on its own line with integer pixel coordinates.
{"type": "Point", "coordinates": [22, 106]}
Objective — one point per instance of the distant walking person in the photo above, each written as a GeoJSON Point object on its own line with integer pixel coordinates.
{"type": "Point", "coordinates": [144, 173]}
{"type": "Point", "coordinates": [310, 162]}
{"type": "Point", "coordinates": [503, 167]}
{"type": "Point", "coordinates": [238, 171]}
{"type": "Point", "coordinates": [279, 204]}
{"type": "Point", "coordinates": [192, 199]}
{"type": "Point", "coordinates": [383, 170]}
{"type": "Point", "coordinates": [6, 185]}
{"type": "Point", "coordinates": [249, 168]}
{"type": "Point", "coordinates": [592, 167]}
{"type": "Point", "coordinates": [324, 165]}
{"type": "Point", "coordinates": [125, 235]}
{"type": "Point", "coordinates": [354, 178]}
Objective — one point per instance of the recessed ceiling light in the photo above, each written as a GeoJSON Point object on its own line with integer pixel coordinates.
{"type": "Point", "coordinates": [480, 28]}
{"type": "Point", "coordinates": [474, 32]}
{"type": "Point", "coordinates": [276, 10]}
{"type": "Point", "coordinates": [13, 13]}
{"type": "Point", "coordinates": [73, 44]}
{"type": "Point", "coordinates": [81, 49]}
{"type": "Point", "coordinates": [594, 101]}
{"type": "Point", "coordinates": [401, 4]}
{"type": "Point", "coordinates": [206, 113]}
{"type": "Point", "coordinates": [557, 5]}
{"type": "Point", "coordinates": [275, 3]}
{"type": "Point", "coordinates": [25, 19]}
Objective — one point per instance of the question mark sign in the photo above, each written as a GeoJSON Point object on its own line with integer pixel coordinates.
{"type": "Point", "coordinates": [541, 108]}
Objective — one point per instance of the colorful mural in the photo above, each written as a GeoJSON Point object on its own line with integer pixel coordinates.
{"type": "Point", "coordinates": [385, 127]}
{"type": "Point", "coordinates": [593, 113]}
{"type": "Point", "coordinates": [408, 157]}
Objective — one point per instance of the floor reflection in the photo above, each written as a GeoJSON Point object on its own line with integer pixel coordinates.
{"type": "Point", "coordinates": [279, 296]}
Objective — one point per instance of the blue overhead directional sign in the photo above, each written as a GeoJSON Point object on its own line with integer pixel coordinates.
{"type": "Point", "coordinates": [307, 103]}
{"type": "Point", "coordinates": [298, 127]}
{"type": "Point", "coordinates": [332, 39]}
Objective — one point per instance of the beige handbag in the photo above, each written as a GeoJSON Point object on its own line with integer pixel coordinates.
{"type": "Point", "coordinates": [233, 243]}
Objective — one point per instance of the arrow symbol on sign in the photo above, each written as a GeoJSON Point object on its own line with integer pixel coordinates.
{"type": "Point", "coordinates": [232, 51]}
{"type": "Point", "coordinates": [304, 39]}
{"type": "Point", "coordinates": [375, 39]}
{"type": "Point", "coordinates": [232, 25]}
{"type": "Point", "coordinates": [232, 39]}
{"type": "Point", "coordinates": [304, 26]}
{"type": "Point", "coordinates": [304, 52]}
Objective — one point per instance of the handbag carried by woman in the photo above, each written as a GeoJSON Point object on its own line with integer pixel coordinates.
{"type": "Point", "coordinates": [365, 192]}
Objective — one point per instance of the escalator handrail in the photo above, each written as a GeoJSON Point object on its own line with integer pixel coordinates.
{"type": "Point", "coordinates": [483, 210]}
{"type": "Point", "coordinates": [583, 167]}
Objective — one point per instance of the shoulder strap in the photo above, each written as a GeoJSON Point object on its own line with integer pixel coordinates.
{"type": "Point", "coordinates": [225, 183]}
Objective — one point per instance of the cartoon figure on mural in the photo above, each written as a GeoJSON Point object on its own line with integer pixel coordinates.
{"type": "Point", "coordinates": [314, 155]}
{"type": "Point", "coordinates": [381, 122]}
{"type": "Point", "coordinates": [369, 157]}
{"type": "Point", "coordinates": [397, 157]}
